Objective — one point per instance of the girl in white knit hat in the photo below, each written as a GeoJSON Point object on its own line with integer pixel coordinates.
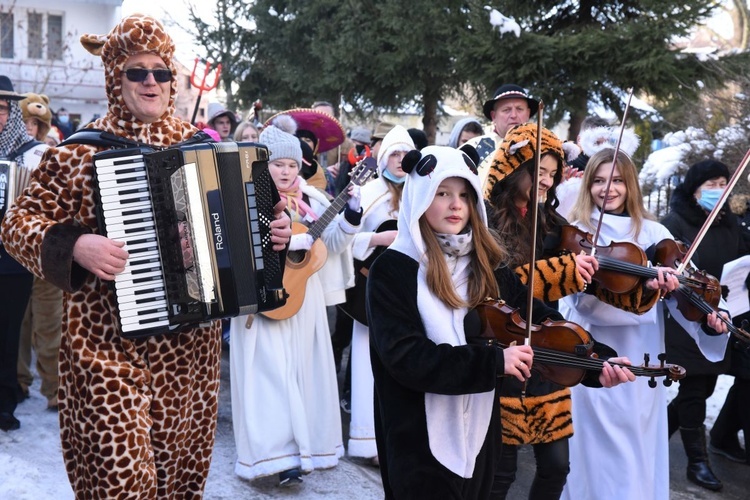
{"type": "Point", "coordinates": [284, 392]}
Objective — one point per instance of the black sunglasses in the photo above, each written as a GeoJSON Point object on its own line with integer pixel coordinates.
{"type": "Point", "coordinates": [140, 74]}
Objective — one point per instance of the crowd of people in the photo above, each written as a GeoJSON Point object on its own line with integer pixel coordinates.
{"type": "Point", "coordinates": [423, 254]}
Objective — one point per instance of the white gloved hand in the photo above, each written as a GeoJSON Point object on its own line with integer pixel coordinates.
{"type": "Point", "coordinates": [300, 242]}
{"type": "Point", "coordinates": [355, 198]}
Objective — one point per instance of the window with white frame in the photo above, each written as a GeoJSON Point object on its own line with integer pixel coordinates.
{"type": "Point", "coordinates": [35, 35]}
{"type": "Point", "coordinates": [6, 35]}
{"type": "Point", "coordinates": [44, 33]}
{"type": "Point", "coordinates": [54, 37]}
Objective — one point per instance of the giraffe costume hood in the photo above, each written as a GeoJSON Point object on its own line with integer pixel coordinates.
{"type": "Point", "coordinates": [136, 34]}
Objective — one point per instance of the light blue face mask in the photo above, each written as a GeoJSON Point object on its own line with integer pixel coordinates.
{"type": "Point", "coordinates": [396, 180]}
{"type": "Point", "coordinates": [709, 198]}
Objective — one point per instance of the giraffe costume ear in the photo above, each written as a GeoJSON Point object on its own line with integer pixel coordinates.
{"type": "Point", "coordinates": [93, 43]}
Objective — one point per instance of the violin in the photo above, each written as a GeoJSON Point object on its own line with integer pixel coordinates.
{"type": "Point", "coordinates": [623, 265]}
{"type": "Point", "coordinates": [695, 303]}
{"type": "Point", "coordinates": [563, 351]}
{"type": "Point", "coordinates": [671, 253]}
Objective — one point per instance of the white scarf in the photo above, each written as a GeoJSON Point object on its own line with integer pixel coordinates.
{"type": "Point", "coordinates": [457, 425]}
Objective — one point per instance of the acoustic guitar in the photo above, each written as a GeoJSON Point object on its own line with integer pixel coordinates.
{"type": "Point", "coordinates": [301, 264]}
{"type": "Point", "coordinates": [355, 296]}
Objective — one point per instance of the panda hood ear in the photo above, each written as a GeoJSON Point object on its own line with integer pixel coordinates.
{"type": "Point", "coordinates": [410, 160]}
{"type": "Point", "coordinates": [471, 152]}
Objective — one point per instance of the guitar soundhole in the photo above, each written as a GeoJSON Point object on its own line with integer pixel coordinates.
{"type": "Point", "coordinates": [296, 256]}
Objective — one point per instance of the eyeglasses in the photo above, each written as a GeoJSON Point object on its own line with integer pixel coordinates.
{"type": "Point", "coordinates": [140, 74]}
{"type": "Point", "coordinates": [4, 110]}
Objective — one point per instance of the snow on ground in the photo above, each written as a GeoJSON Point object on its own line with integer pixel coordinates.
{"type": "Point", "coordinates": [31, 465]}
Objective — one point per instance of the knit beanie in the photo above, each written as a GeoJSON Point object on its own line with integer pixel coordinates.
{"type": "Point", "coordinates": [280, 139]}
{"type": "Point", "coordinates": [518, 147]}
{"type": "Point", "coordinates": [398, 139]}
{"type": "Point", "coordinates": [702, 171]}
{"type": "Point", "coordinates": [135, 34]}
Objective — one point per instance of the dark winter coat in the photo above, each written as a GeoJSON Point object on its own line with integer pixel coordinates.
{"type": "Point", "coordinates": [722, 243]}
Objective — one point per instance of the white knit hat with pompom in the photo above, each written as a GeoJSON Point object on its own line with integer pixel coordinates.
{"type": "Point", "coordinates": [280, 139]}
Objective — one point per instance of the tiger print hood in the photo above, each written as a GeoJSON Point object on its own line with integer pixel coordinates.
{"type": "Point", "coordinates": [136, 34]}
{"type": "Point", "coordinates": [518, 147]}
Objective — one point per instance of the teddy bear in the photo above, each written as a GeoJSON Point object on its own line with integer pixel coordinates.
{"type": "Point", "coordinates": [37, 106]}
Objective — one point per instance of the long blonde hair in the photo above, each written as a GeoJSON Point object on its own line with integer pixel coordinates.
{"type": "Point", "coordinates": [485, 257]}
{"type": "Point", "coordinates": [584, 206]}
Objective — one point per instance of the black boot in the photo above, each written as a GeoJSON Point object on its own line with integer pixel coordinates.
{"type": "Point", "coordinates": [698, 469]}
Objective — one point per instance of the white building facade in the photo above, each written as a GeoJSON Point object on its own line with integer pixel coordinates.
{"type": "Point", "coordinates": [40, 51]}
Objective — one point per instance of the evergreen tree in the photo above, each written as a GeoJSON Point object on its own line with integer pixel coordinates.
{"type": "Point", "coordinates": [389, 53]}
{"type": "Point", "coordinates": [574, 54]}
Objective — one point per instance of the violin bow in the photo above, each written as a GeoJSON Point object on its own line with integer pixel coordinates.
{"type": "Point", "coordinates": [714, 212]}
{"type": "Point", "coordinates": [533, 213]}
{"type": "Point", "coordinates": [611, 173]}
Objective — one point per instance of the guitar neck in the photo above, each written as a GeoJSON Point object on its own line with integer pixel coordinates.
{"type": "Point", "coordinates": [317, 228]}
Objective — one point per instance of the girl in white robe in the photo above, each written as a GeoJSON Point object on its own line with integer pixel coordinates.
{"type": "Point", "coordinates": [285, 408]}
{"type": "Point", "coordinates": [620, 449]}
{"type": "Point", "coordinates": [380, 202]}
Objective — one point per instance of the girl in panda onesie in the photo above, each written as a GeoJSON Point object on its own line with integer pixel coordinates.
{"type": "Point", "coordinates": [436, 412]}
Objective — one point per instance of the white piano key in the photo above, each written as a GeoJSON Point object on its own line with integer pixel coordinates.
{"type": "Point", "coordinates": [156, 306]}
{"type": "Point", "coordinates": [120, 189]}
{"type": "Point", "coordinates": [131, 225]}
{"type": "Point", "coordinates": [130, 236]}
{"type": "Point", "coordinates": [138, 320]}
{"type": "Point", "coordinates": [115, 163]}
{"type": "Point", "coordinates": [125, 279]}
{"type": "Point", "coordinates": [136, 327]}
{"type": "Point", "coordinates": [120, 179]}
{"type": "Point", "coordinates": [132, 293]}
{"type": "Point", "coordinates": [135, 301]}
{"type": "Point", "coordinates": [117, 211]}
{"type": "Point", "coordinates": [125, 171]}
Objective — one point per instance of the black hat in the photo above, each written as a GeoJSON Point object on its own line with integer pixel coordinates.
{"type": "Point", "coordinates": [6, 90]}
{"type": "Point", "coordinates": [509, 91]}
{"type": "Point", "coordinates": [703, 171]}
{"type": "Point", "coordinates": [419, 138]}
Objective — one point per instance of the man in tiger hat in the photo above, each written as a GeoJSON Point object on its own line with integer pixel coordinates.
{"type": "Point", "coordinates": [137, 416]}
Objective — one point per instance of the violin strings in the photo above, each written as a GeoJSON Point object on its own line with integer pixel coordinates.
{"type": "Point", "coordinates": [564, 359]}
{"type": "Point", "coordinates": [706, 308]}
{"type": "Point", "coordinates": [647, 272]}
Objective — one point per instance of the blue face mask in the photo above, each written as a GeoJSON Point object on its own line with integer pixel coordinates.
{"type": "Point", "coordinates": [63, 118]}
{"type": "Point", "coordinates": [396, 180]}
{"type": "Point", "coordinates": [709, 198]}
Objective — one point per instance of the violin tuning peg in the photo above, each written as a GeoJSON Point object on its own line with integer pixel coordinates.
{"type": "Point", "coordinates": [652, 383]}
{"type": "Point", "coordinates": [646, 359]}
{"type": "Point", "coordinates": [667, 382]}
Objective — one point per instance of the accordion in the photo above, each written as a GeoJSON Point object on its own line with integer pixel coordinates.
{"type": "Point", "coordinates": [13, 180]}
{"type": "Point", "coordinates": [195, 219]}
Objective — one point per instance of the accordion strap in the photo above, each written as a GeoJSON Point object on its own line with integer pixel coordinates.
{"type": "Point", "coordinates": [100, 138]}
{"type": "Point", "coordinates": [96, 137]}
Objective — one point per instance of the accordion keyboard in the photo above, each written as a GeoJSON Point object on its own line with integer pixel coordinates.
{"type": "Point", "coordinates": [128, 216]}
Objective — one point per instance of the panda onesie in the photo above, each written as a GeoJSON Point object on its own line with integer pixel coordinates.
{"type": "Point", "coordinates": [436, 412]}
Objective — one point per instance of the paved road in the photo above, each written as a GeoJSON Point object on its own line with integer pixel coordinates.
{"type": "Point", "coordinates": [352, 480]}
